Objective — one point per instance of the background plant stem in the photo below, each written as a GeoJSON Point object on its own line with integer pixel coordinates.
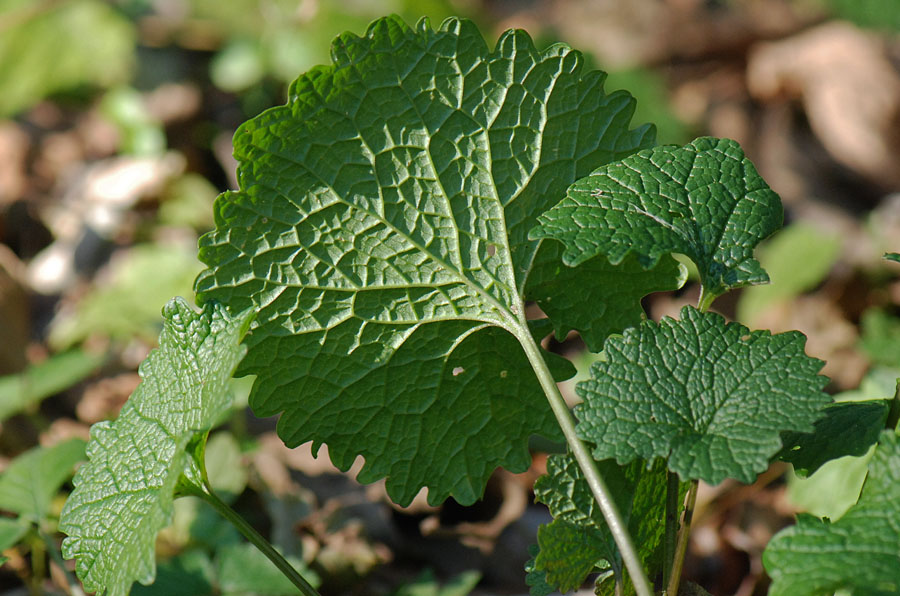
{"type": "Point", "coordinates": [672, 486]}
{"type": "Point", "coordinates": [681, 545]}
{"type": "Point", "coordinates": [588, 466]}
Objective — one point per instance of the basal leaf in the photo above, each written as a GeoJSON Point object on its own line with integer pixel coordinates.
{"type": "Point", "coordinates": [381, 229]}
{"type": "Point", "coordinates": [578, 541]}
{"type": "Point", "coordinates": [705, 200]}
{"type": "Point", "coordinates": [123, 495]}
{"type": "Point", "coordinates": [32, 479]}
{"type": "Point", "coordinates": [708, 395]}
{"type": "Point", "coordinates": [596, 298]}
{"type": "Point", "coordinates": [848, 428]}
{"type": "Point", "coordinates": [860, 552]}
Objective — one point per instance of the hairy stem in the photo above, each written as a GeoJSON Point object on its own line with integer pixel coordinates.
{"type": "Point", "coordinates": [258, 541]}
{"type": "Point", "coordinates": [588, 467]}
{"type": "Point", "coordinates": [672, 486]}
{"type": "Point", "coordinates": [681, 545]}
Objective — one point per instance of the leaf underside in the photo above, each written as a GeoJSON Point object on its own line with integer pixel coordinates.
{"type": "Point", "coordinates": [705, 200]}
{"type": "Point", "coordinates": [708, 395]}
{"type": "Point", "coordinates": [381, 229]}
{"type": "Point", "coordinates": [123, 495]}
{"type": "Point", "coordinates": [578, 542]}
{"type": "Point", "coordinates": [859, 552]}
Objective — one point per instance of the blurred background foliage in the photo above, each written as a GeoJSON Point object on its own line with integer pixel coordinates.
{"type": "Point", "coordinates": [116, 118]}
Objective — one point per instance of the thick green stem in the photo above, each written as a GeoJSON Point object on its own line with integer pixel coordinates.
{"type": "Point", "coordinates": [681, 545]}
{"type": "Point", "coordinates": [588, 467]}
{"type": "Point", "coordinates": [672, 489]}
{"type": "Point", "coordinates": [258, 541]}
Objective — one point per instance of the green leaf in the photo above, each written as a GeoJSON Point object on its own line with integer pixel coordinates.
{"type": "Point", "coordinates": [797, 259]}
{"type": "Point", "coordinates": [596, 298]}
{"type": "Point", "coordinates": [44, 49]}
{"type": "Point", "coordinates": [704, 200]}
{"type": "Point", "coordinates": [11, 531]}
{"type": "Point", "coordinates": [578, 541]}
{"type": "Point", "coordinates": [123, 495]}
{"type": "Point", "coordinates": [892, 256]}
{"type": "Point", "coordinates": [880, 337]}
{"type": "Point", "coordinates": [848, 428]}
{"type": "Point", "coordinates": [241, 568]}
{"type": "Point", "coordinates": [859, 552]}
{"type": "Point", "coordinates": [427, 585]}
{"type": "Point", "coordinates": [28, 485]}
{"type": "Point", "coordinates": [39, 381]}
{"type": "Point", "coordinates": [188, 574]}
{"type": "Point", "coordinates": [381, 228]}
{"type": "Point", "coordinates": [534, 578]}
{"type": "Point", "coordinates": [708, 395]}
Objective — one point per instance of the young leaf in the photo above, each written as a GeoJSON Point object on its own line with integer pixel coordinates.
{"type": "Point", "coordinates": [29, 484]}
{"type": "Point", "coordinates": [578, 541]}
{"type": "Point", "coordinates": [848, 428]}
{"type": "Point", "coordinates": [562, 292]}
{"type": "Point", "coordinates": [705, 200]}
{"type": "Point", "coordinates": [860, 552]}
{"type": "Point", "coordinates": [711, 397]}
{"type": "Point", "coordinates": [123, 495]}
{"type": "Point", "coordinates": [381, 228]}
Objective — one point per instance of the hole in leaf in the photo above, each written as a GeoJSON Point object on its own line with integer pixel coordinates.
{"type": "Point", "coordinates": [745, 337]}
{"type": "Point", "coordinates": [458, 371]}
{"type": "Point", "coordinates": [491, 250]}
{"type": "Point", "coordinates": [503, 374]}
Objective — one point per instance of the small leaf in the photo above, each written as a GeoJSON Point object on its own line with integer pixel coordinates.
{"type": "Point", "coordinates": [241, 568]}
{"type": "Point", "coordinates": [881, 337]}
{"type": "Point", "coordinates": [860, 552]}
{"type": "Point", "coordinates": [39, 381]}
{"type": "Point", "coordinates": [190, 573]}
{"type": "Point", "coordinates": [892, 256]}
{"type": "Point", "coordinates": [29, 484]}
{"type": "Point", "coordinates": [596, 298]}
{"type": "Point", "coordinates": [640, 495]}
{"type": "Point", "coordinates": [848, 428]}
{"type": "Point", "coordinates": [711, 397]}
{"type": "Point", "coordinates": [381, 229]}
{"type": "Point", "coordinates": [704, 200]}
{"type": "Point", "coordinates": [123, 495]}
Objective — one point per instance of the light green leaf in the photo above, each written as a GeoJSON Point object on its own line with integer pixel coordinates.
{"type": "Point", "coordinates": [44, 49]}
{"type": "Point", "coordinates": [241, 568]}
{"type": "Point", "coordinates": [381, 228]}
{"type": "Point", "coordinates": [11, 530]}
{"type": "Point", "coordinates": [704, 200]}
{"type": "Point", "coordinates": [596, 298]}
{"type": "Point", "coordinates": [847, 429]}
{"type": "Point", "coordinates": [711, 397]}
{"type": "Point", "coordinates": [578, 524]}
{"type": "Point", "coordinates": [127, 305]}
{"type": "Point", "coordinates": [227, 474]}
{"type": "Point", "coordinates": [39, 381]}
{"type": "Point", "coordinates": [881, 337]}
{"type": "Point", "coordinates": [32, 479]}
{"type": "Point", "coordinates": [859, 552]}
{"type": "Point", "coordinates": [190, 573]}
{"type": "Point", "coordinates": [427, 585]}
{"type": "Point", "coordinates": [797, 259]}
{"type": "Point", "coordinates": [892, 256]}
{"type": "Point", "coordinates": [123, 495]}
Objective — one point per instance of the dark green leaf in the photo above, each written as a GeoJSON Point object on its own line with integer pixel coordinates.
{"type": "Point", "coordinates": [29, 484]}
{"type": "Point", "coordinates": [848, 428]}
{"type": "Point", "coordinates": [892, 256]}
{"type": "Point", "coordinates": [535, 579]}
{"type": "Point", "coordinates": [640, 496]}
{"type": "Point", "coordinates": [710, 397]}
{"type": "Point", "coordinates": [381, 228]}
{"type": "Point", "coordinates": [188, 574]}
{"type": "Point", "coordinates": [704, 200]}
{"type": "Point", "coordinates": [123, 495]}
{"type": "Point", "coordinates": [860, 552]}
{"type": "Point", "coordinates": [596, 298]}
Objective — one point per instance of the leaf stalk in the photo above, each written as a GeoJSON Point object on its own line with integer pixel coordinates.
{"type": "Point", "coordinates": [681, 545]}
{"type": "Point", "coordinates": [588, 466]}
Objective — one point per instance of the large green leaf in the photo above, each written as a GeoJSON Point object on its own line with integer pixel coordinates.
{"type": "Point", "coordinates": [705, 200]}
{"type": "Point", "coordinates": [578, 541]}
{"type": "Point", "coordinates": [860, 552]}
{"type": "Point", "coordinates": [29, 484]}
{"type": "Point", "coordinates": [381, 228]}
{"type": "Point", "coordinates": [123, 495]}
{"type": "Point", "coordinates": [708, 395]}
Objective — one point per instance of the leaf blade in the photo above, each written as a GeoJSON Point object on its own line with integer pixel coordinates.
{"type": "Point", "coordinates": [123, 495]}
